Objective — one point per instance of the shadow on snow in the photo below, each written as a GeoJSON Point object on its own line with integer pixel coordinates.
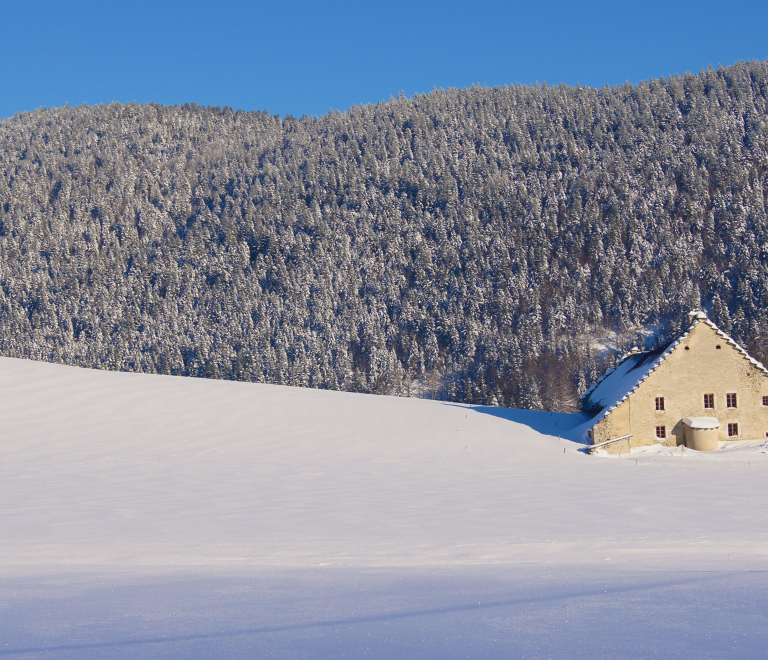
{"type": "Point", "coordinates": [569, 426]}
{"type": "Point", "coordinates": [577, 595]}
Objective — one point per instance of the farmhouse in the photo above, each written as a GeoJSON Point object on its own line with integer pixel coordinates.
{"type": "Point", "coordinates": [697, 390]}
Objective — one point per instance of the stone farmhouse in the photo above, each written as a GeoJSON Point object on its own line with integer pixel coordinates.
{"type": "Point", "coordinates": [698, 390]}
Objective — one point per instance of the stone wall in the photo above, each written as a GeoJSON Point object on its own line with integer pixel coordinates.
{"type": "Point", "coordinates": [702, 363]}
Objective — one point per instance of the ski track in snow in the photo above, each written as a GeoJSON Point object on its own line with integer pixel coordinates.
{"type": "Point", "coordinates": [154, 516]}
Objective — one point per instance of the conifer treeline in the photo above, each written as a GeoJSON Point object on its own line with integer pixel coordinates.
{"type": "Point", "coordinates": [470, 244]}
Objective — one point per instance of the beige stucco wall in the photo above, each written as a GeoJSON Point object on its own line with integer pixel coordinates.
{"type": "Point", "coordinates": [683, 379]}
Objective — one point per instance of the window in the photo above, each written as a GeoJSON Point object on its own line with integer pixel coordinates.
{"type": "Point", "coordinates": [660, 402]}
{"type": "Point", "coordinates": [730, 400]}
{"type": "Point", "coordinates": [733, 430]}
{"type": "Point", "coordinates": [709, 401]}
{"type": "Point", "coordinates": [765, 400]}
{"type": "Point", "coordinates": [661, 431]}
{"type": "Point", "coordinates": [718, 346]}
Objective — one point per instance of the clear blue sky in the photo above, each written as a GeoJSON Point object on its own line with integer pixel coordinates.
{"type": "Point", "coordinates": [304, 57]}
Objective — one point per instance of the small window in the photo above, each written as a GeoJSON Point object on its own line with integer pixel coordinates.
{"type": "Point", "coordinates": [709, 401]}
{"type": "Point", "coordinates": [687, 348]}
{"type": "Point", "coordinates": [730, 400]}
{"type": "Point", "coordinates": [765, 400]}
{"type": "Point", "coordinates": [661, 431]}
{"type": "Point", "coordinates": [733, 430]}
{"type": "Point", "coordinates": [718, 346]}
{"type": "Point", "coordinates": [660, 403]}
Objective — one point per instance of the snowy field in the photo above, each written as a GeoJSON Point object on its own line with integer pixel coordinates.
{"type": "Point", "coordinates": [161, 517]}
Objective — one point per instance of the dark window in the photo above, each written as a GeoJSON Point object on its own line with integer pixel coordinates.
{"type": "Point", "coordinates": [661, 431]}
{"type": "Point", "coordinates": [730, 400]}
{"type": "Point", "coordinates": [687, 348]}
{"type": "Point", "coordinates": [718, 346]}
{"type": "Point", "coordinates": [733, 430]}
{"type": "Point", "coordinates": [660, 403]}
{"type": "Point", "coordinates": [709, 401]}
{"type": "Point", "coordinates": [765, 400]}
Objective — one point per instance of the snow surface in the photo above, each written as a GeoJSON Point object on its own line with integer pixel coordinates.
{"type": "Point", "coordinates": [153, 516]}
{"type": "Point", "coordinates": [702, 422]}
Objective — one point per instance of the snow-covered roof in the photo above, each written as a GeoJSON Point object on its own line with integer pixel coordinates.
{"type": "Point", "coordinates": [702, 422]}
{"type": "Point", "coordinates": [618, 383]}
{"type": "Point", "coordinates": [635, 367]}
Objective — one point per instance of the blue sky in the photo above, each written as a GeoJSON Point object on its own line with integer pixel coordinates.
{"type": "Point", "coordinates": [303, 57]}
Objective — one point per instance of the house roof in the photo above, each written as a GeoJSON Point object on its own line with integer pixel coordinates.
{"type": "Point", "coordinates": [635, 367]}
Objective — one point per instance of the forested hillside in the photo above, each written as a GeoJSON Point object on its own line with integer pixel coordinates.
{"type": "Point", "coordinates": [478, 245]}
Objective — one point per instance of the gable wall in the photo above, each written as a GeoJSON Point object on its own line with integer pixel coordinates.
{"type": "Point", "coordinates": [683, 379]}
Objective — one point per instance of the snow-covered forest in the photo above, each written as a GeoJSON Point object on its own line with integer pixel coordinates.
{"type": "Point", "coordinates": [477, 245]}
